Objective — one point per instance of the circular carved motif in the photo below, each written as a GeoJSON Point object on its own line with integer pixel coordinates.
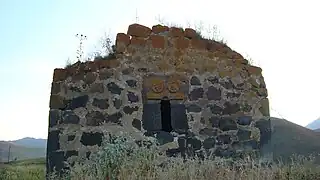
{"type": "Point", "coordinates": [173, 86]}
{"type": "Point", "coordinates": [158, 86]}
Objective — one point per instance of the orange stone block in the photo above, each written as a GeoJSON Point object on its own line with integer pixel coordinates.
{"type": "Point", "coordinates": [159, 29]}
{"type": "Point", "coordinates": [138, 30]}
{"type": "Point", "coordinates": [59, 74]}
{"type": "Point", "coordinates": [176, 32]}
{"type": "Point", "coordinates": [123, 38]}
{"type": "Point", "coordinates": [199, 44]}
{"type": "Point", "coordinates": [138, 41]}
{"type": "Point", "coordinates": [190, 33]}
{"type": "Point", "coordinates": [182, 43]}
{"type": "Point", "coordinates": [254, 70]}
{"type": "Point", "coordinates": [157, 41]}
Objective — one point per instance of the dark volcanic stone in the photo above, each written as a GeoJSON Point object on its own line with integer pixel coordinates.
{"type": "Point", "coordinates": [53, 141]}
{"type": "Point", "coordinates": [114, 88]}
{"type": "Point", "coordinates": [91, 138]}
{"type": "Point", "coordinates": [55, 87]}
{"type": "Point", "coordinates": [194, 142]}
{"type": "Point", "coordinates": [209, 143]}
{"type": "Point", "coordinates": [264, 125]}
{"type": "Point", "coordinates": [194, 108]}
{"type": "Point", "coordinates": [243, 134]}
{"type": "Point", "coordinates": [208, 132]}
{"type": "Point", "coordinates": [132, 97]}
{"type": "Point", "coordinates": [196, 94]}
{"type": "Point", "coordinates": [71, 137]}
{"type": "Point", "coordinates": [226, 124]}
{"type": "Point", "coordinates": [213, 80]}
{"type": "Point", "coordinates": [215, 109]}
{"type": "Point", "coordinates": [117, 103]}
{"type": "Point", "coordinates": [130, 110]}
{"type": "Point", "coordinates": [231, 108]}
{"type": "Point", "coordinates": [240, 86]}
{"type": "Point", "coordinates": [54, 117]}
{"type": "Point", "coordinates": [70, 118]}
{"type": "Point", "coordinates": [95, 118]}
{"type": "Point", "coordinates": [97, 88]}
{"type": "Point", "coordinates": [164, 137]}
{"type": "Point", "coordinates": [115, 118]}
{"type": "Point", "coordinates": [71, 153]}
{"type": "Point", "coordinates": [78, 102]}
{"type": "Point", "coordinates": [90, 77]}
{"type": "Point", "coordinates": [136, 123]}
{"type": "Point", "coordinates": [224, 139]}
{"type": "Point", "coordinates": [100, 103]}
{"type": "Point", "coordinates": [88, 154]}
{"type": "Point", "coordinates": [214, 120]}
{"type": "Point", "coordinates": [57, 102]}
{"type": "Point", "coordinates": [233, 95]}
{"type": "Point", "coordinates": [127, 71]}
{"type": "Point", "coordinates": [55, 161]}
{"type": "Point", "coordinates": [105, 74]}
{"type": "Point", "coordinates": [224, 152]}
{"type": "Point", "coordinates": [132, 83]}
{"type": "Point", "coordinates": [227, 84]}
{"type": "Point", "coordinates": [195, 81]}
{"type": "Point", "coordinates": [213, 93]}
{"type": "Point", "coordinates": [244, 120]}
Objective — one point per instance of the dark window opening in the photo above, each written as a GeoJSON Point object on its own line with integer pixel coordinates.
{"type": "Point", "coordinates": [166, 115]}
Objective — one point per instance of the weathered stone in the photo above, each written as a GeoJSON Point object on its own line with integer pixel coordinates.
{"type": "Point", "coordinates": [215, 109]}
{"type": "Point", "coordinates": [97, 88]}
{"type": "Point", "coordinates": [136, 123]}
{"type": "Point", "coordinates": [100, 103]}
{"type": "Point", "coordinates": [117, 103]}
{"type": "Point", "coordinates": [122, 41]}
{"type": "Point", "coordinates": [71, 153]}
{"type": "Point", "coordinates": [128, 71]}
{"type": "Point", "coordinates": [246, 107]}
{"type": "Point", "coordinates": [213, 79]}
{"type": "Point", "coordinates": [214, 120]}
{"type": "Point", "coordinates": [115, 118]}
{"type": "Point", "coordinates": [253, 70]}
{"type": "Point", "coordinates": [190, 33]}
{"type": "Point", "coordinates": [213, 93]}
{"type": "Point", "coordinates": [55, 87]}
{"type": "Point", "coordinates": [208, 132]}
{"type": "Point", "coordinates": [194, 108]}
{"type": "Point", "coordinates": [224, 139]}
{"type": "Point", "coordinates": [176, 32]}
{"type": "Point", "coordinates": [59, 75]}
{"type": "Point", "coordinates": [233, 95]}
{"type": "Point", "coordinates": [227, 84]}
{"type": "Point", "coordinates": [182, 43]}
{"type": "Point", "coordinates": [226, 153]}
{"type": "Point", "coordinates": [55, 161]}
{"type": "Point", "coordinates": [71, 137]}
{"type": "Point", "coordinates": [164, 137]}
{"type": "Point", "coordinates": [132, 83]}
{"type": "Point", "coordinates": [194, 143]}
{"type": "Point", "coordinates": [105, 74]}
{"type": "Point", "coordinates": [70, 118]}
{"type": "Point", "coordinates": [53, 139]}
{"type": "Point", "coordinates": [195, 81]}
{"type": "Point", "coordinates": [157, 41]}
{"type": "Point", "coordinates": [231, 108]}
{"type": "Point", "coordinates": [91, 138]}
{"type": "Point", "coordinates": [264, 109]}
{"type": "Point", "coordinates": [95, 118]}
{"type": "Point", "coordinates": [114, 88]}
{"type": "Point", "coordinates": [57, 102]}
{"type": "Point", "coordinates": [159, 29]}
{"type": "Point", "coordinates": [130, 110]}
{"type": "Point", "coordinates": [90, 77]}
{"type": "Point", "coordinates": [132, 97]}
{"type": "Point", "coordinates": [138, 30]}
{"type": "Point", "coordinates": [244, 120]}
{"type": "Point", "coordinates": [262, 92]}
{"type": "Point", "coordinates": [54, 117]}
{"type": "Point", "coordinates": [78, 102]}
{"type": "Point", "coordinates": [209, 143]}
{"type": "Point", "coordinates": [264, 125]}
{"type": "Point", "coordinates": [243, 134]}
{"type": "Point", "coordinates": [138, 42]}
{"type": "Point", "coordinates": [226, 124]}
{"type": "Point", "coordinates": [196, 94]}
{"type": "Point", "coordinates": [198, 44]}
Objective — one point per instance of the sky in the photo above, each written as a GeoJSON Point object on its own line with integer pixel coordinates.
{"type": "Point", "coordinates": [37, 36]}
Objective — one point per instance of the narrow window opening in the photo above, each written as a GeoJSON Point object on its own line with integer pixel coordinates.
{"type": "Point", "coordinates": [166, 115]}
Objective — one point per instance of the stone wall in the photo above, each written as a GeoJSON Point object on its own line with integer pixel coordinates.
{"type": "Point", "coordinates": [218, 101]}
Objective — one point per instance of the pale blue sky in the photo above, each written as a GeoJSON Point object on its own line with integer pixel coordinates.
{"type": "Point", "coordinates": [37, 36]}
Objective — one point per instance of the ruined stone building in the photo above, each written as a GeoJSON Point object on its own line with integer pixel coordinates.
{"type": "Point", "coordinates": [164, 82]}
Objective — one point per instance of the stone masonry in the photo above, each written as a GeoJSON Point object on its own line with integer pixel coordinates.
{"type": "Point", "coordinates": [194, 94]}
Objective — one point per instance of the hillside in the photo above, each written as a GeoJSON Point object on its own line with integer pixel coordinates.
{"type": "Point", "coordinates": [31, 142]}
{"type": "Point", "coordinates": [314, 124]}
{"type": "Point", "coordinates": [20, 152]}
{"type": "Point", "coordinates": [289, 138]}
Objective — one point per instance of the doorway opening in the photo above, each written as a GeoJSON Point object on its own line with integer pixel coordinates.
{"type": "Point", "coordinates": [166, 115]}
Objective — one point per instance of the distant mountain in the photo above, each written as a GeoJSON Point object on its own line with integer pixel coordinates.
{"type": "Point", "coordinates": [314, 124]}
{"type": "Point", "coordinates": [25, 148]}
{"type": "Point", "coordinates": [317, 130]}
{"type": "Point", "coordinates": [31, 142]}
